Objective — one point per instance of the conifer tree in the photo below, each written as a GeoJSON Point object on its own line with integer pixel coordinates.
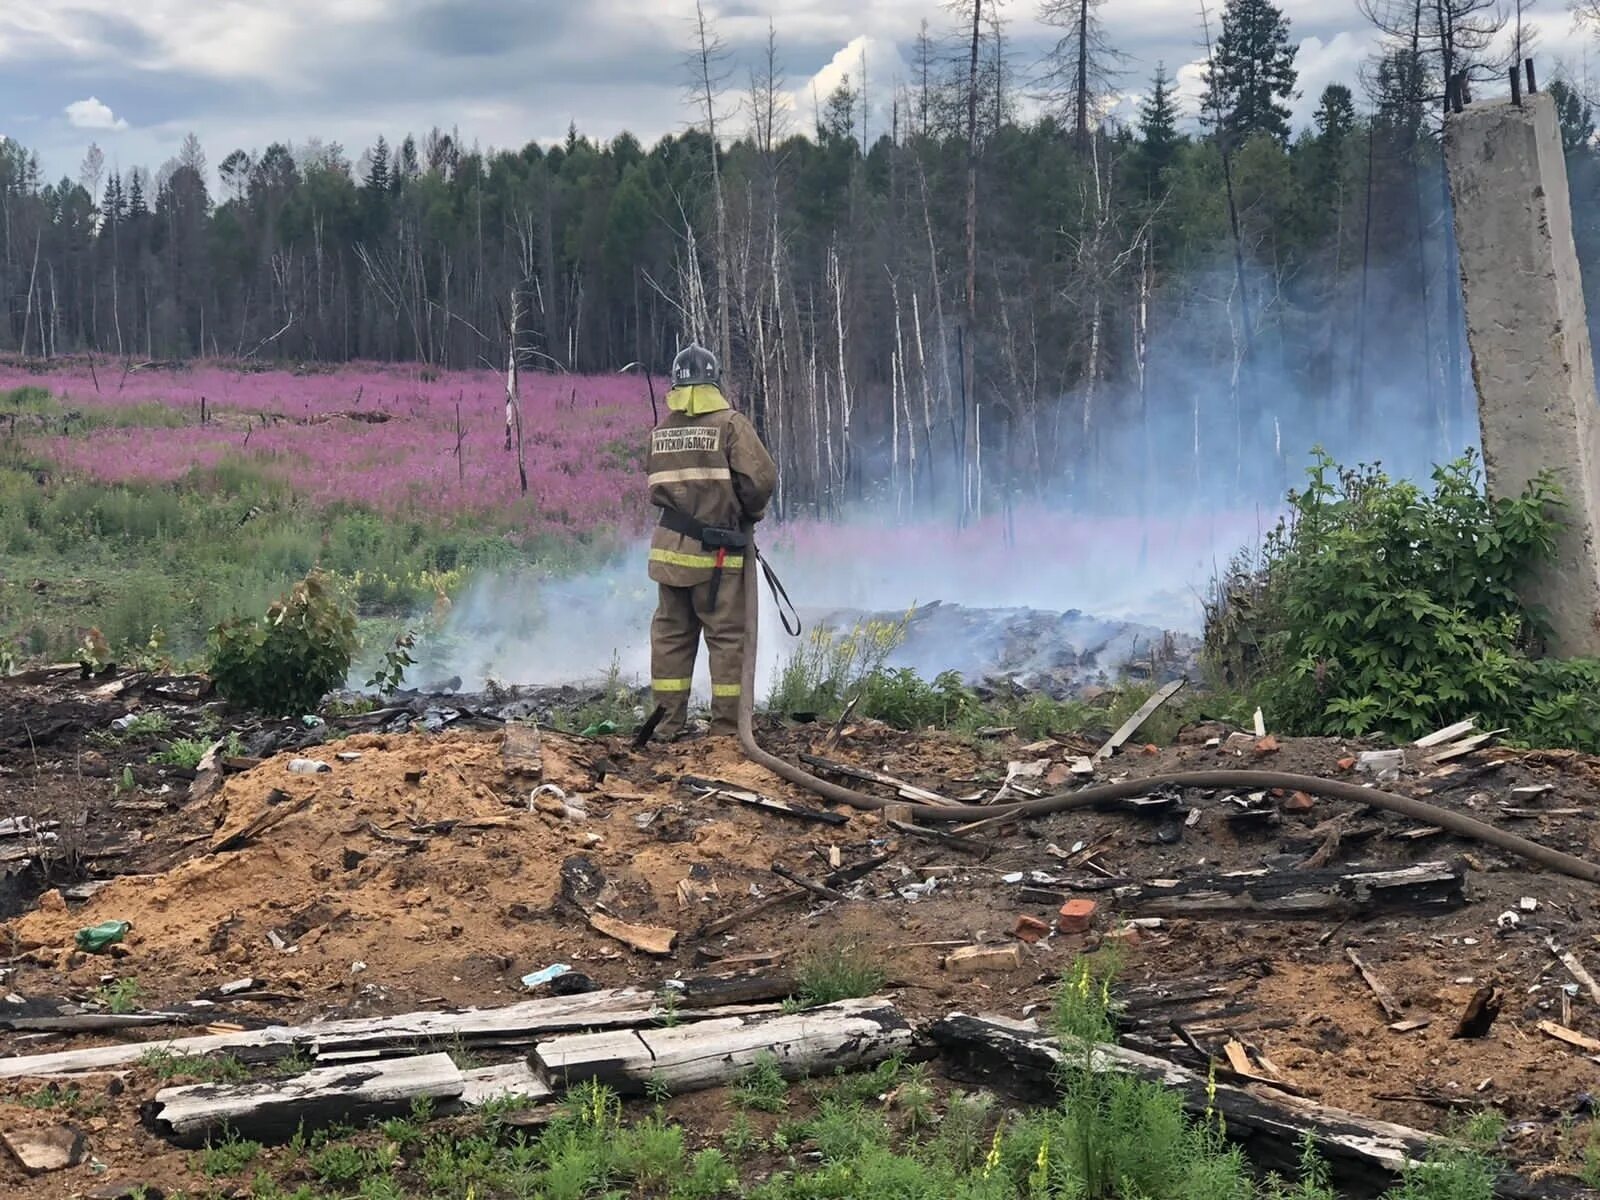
{"type": "Point", "coordinates": [1158, 128]}
{"type": "Point", "coordinates": [1252, 72]}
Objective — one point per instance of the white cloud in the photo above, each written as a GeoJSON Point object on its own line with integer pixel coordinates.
{"type": "Point", "coordinates": [93, 114]}
{"type": "Point", "coordinates": [1317, 63]}
{"type": "Point", "coordinates": [886, 72]}
{"type": "Point", "coordinates": [1336, 60]}
{"type": "Point", "coordinates": [244, 73]}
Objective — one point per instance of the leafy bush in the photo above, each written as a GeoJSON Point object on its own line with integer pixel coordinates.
{"type": "Point", "coordinates": [829, 668]}
{"type": "Point", "coordinates": [907, 701]}
{"type": "Point", "coordinates": [285, 662]}
{"type": "Point", "coordinates": [1379, 606]}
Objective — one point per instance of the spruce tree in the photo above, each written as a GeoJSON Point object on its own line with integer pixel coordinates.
{"type": "Point", "coordinates": [115, 205]}
{"type": "Point", "coordinates": [410, 166]}
{"type": "Point", "coordinates": [1336, 115]}
{"type": "Point", "coordinates": [136, 203]}
{"type": "Point", "coordinates": [378, 172]}
{"type": "Point", "coordinates": [1575, 114]}
{"type": "Point", "coordinates": [1158, 128]}
{"type": "Point", "coordinates": [1251, 73]}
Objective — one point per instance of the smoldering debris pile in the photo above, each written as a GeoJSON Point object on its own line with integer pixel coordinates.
{"type": "Point", "coordinates": [1060, 654]}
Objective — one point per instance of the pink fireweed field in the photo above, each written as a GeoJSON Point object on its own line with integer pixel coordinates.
{"type": "Point", "coordinates": [583, 438]}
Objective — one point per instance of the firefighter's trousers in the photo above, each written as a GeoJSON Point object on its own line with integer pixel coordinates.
{"type": "Point", "coordinates": [682, 614]}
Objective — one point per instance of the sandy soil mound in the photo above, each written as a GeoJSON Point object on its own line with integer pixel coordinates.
{"type": "Point", "coordinates": [422, 860]}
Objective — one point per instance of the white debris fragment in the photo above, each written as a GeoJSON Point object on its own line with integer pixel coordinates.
{"type": "Point", "coordinates": [1384, 765]}
{"type": "Point", "coordinates": [1508, 919]}
{"type": "Point", "coordinates": [308, 766]}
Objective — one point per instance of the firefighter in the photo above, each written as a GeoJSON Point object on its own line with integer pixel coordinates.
{"type": "Point", "coordinates": [711, 478]}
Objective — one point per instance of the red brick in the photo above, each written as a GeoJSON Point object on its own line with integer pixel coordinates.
{"type": "Point", "coordinates": [1267, 745]}
{"type": "Point", "coordinates": [1030, 929]}
{"type": "Point", "coordinates": [1076, 916]}
{"type": "Point", "coordinates": [1299, 803]}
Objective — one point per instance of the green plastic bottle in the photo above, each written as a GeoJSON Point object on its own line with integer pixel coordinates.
{"type": "Point", "coordinates": [96, 939]}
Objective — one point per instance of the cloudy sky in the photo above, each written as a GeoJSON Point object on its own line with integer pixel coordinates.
{"type": "Point", "coordinates": [136, 76]}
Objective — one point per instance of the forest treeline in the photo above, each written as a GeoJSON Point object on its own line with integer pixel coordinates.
{"type": "Point", "coordinates": [957, 308]}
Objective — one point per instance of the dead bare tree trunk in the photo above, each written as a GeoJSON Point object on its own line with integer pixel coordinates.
{"type": "Point", "coordinates": [1360, 407]}
{"type": "Point", "coordinates": [1082, 116]}
{"type": "Point", "coordinates": [968, 370]}
{"type": "Point", "coordinates": [708, 56]}
{"type": "Point", "coordinates": [836, 278]}
{"type": "Point", "coordinates": [513, 392]}
{"type": "Point", "coordinates": [922, 373]}
{"type": "Point", "coordinates": [33, 277]}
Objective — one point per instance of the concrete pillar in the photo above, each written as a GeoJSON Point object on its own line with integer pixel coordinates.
{"type": "Point", "coordinates": [1531, 358]}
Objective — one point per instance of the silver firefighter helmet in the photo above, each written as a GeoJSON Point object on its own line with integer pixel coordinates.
{"type": "Point", "coordinates": [694, 364]}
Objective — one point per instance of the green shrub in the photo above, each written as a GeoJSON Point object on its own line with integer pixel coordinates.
{"type": "Point", "coordinates": [121, 996]}
{"type": "Point", "coordinates": [339, 1163]}
{"type": "Point", "coordinates": [1083, 1004]}
{"type": "Point", "coordinates": [185, 752]}
{"type": "Point", "coordinates": [905, 700]}
{"type": "Point", "coordinates": [828, 668]}
{"type": "Point", "coordinates": [230, 1156]}
{"type": "Point", "coordinates": [839, 971]}
{"type": "Point", "coordinates": [285, 662]}
{"type": "Point", "coordinates": [1378, 606]}
{"type": "Point", "coordinates": [29, 399]}
{"type": "Point", "coordinates": [208, 1068]}
{"type": "Point", "coordinates": [709, 1175]}
{"type": "Point", "coordinates": [762, 1086]}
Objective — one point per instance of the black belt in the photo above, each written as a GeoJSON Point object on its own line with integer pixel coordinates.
{"type": "Point", "coordinates": [710, 537]}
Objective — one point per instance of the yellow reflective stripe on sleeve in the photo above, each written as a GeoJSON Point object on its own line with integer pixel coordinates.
{"type": "Point", "coordinates": [726, 689]}
{"type": "Point", "coordinates": [669, 685]}
{"type": "Point", "coordinates": [690, 475]}
{"type": "Point", "coordinates": [734, 562]}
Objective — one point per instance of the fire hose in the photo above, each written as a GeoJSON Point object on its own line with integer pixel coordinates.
{"type": "Point", "coordinates": [1103, 793]}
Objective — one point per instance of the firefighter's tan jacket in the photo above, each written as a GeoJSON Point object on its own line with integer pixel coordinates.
{"type": "Point", "coordinates": [705, 461]}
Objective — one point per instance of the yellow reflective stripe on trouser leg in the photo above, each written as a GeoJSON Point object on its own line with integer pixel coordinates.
{"type": "Point", "coordinates": [734, 562]}
{"type": "Point", "coordinates": [669, 685]}
{"type": "Point", "coordinates": [726, 689]}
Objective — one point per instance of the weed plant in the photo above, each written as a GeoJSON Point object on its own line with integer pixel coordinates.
{"type": "Point", "coordinates": [840, 970]}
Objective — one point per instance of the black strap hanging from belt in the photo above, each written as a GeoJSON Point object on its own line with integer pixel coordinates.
{"type": "Point", "coordinates": [780, 596]}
